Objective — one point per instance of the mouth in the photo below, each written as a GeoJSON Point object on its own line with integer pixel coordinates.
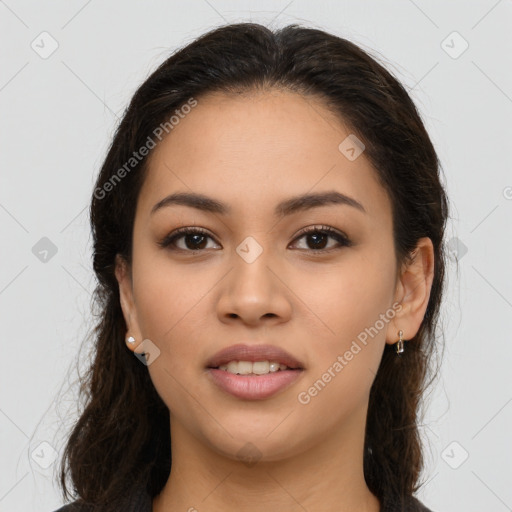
{"type": "Point", "coordinates": [254, 368]}
{"type": "Point", "coordinates": [254, 372]}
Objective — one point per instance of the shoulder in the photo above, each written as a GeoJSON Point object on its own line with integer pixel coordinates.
{"type": "Point", "coordinates": [411, 504]}
{"type": "Point", "coordinates": [75, 506]}
{"type": "Point", "coordinates": [135, 500]}
{"type": "Point", "coordinates": [418, 506]}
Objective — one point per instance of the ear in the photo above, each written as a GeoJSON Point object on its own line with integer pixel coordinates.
{"type": "Point", "coordinates": [123, 276]}
{"type": "Point", "coordinates": [413, 292]}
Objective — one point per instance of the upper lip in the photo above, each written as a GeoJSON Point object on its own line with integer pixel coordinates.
{"type": "Point", "coordinates": [253, 353]}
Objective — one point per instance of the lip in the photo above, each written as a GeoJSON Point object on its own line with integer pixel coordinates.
{"type": "Point", "coordinates": [254, 353]}
{"type": "Point", "coordinates": [254, 387]}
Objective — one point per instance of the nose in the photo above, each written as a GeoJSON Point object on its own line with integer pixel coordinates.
{"type": "Point", "coordinates": [255, 292]}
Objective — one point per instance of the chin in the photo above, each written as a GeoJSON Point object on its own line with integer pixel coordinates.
{"type": "Point", "coordinates": [264, 440]}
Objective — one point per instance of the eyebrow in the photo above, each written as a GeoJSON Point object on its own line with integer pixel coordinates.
{"type": "Point", "coordinates": [287, 207]}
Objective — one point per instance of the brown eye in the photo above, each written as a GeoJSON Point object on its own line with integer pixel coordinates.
{"type": "Point", "coordinates": [317, 238]}
{"type": "Point", "coordinates": [195, 239]}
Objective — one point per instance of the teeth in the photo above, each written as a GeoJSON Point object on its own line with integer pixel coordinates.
{"type": "Point", "coordinates": [256, 368]}
{"type": "Point", "coordinates": [244, 367]}
{"type": "Point", "coordinates": [273, 367]}
{"type": "Point", "coordinates": [232, 367]}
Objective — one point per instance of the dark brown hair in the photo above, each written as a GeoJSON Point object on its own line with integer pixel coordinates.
{"type": "Point", "coordinates": [122, 436]}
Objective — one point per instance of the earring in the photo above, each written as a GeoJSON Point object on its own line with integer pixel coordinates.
{"type": "Point", "coordinates": [400, 343]}
{"type": "Point", "coordinates": [130, 340]}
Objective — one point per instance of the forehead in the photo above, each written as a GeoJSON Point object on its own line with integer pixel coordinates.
{"type": "Point", "coordinates": [255, 149]}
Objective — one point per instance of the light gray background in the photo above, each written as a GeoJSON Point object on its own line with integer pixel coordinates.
{"type": "Point", "coordinates": [59, 113]}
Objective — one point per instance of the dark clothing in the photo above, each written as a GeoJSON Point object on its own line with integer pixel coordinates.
{"type": "Point", "coordinates": [140, 501]}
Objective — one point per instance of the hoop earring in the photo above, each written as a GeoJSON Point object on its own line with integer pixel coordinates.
{"type": "Point", "coordinates": [130, 340]}
{"type": "Point", "coordinates": [400, 343]}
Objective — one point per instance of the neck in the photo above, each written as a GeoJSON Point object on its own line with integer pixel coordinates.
{"type": "Point", "coordinates": [326, 477]}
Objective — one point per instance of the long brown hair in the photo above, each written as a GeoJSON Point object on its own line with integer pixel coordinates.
{"type": "Point", "coordinates": [122, 436]}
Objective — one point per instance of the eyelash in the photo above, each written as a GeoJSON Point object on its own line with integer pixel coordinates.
{"type": "Point", "coordinates": [341, 238]}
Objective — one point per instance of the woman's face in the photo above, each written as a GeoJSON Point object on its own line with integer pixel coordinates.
{"type": "Point", "coordinates": [255, 279]}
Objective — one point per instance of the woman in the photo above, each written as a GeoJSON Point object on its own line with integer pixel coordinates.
{"type": "Point", "coordinates": [268, 238]}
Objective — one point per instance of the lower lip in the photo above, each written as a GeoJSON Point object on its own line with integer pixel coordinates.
{"type": "Point", "coordinates": [254, 387]}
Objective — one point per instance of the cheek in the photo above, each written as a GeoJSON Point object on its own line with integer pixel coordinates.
{"type": "Point", "coordinates": [353, 307]}
{"type": "Point", "coordinates": [345, 299]}
{"type": "Point", "coordinates": [171, 302]}
{"type": "Point", "coordinates": [167, 297]}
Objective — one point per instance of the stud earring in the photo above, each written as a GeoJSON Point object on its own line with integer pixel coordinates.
{"type": "Point", "coordinates": [400, 343]}
{"type": "Point", "coordinates": [130, 340]}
